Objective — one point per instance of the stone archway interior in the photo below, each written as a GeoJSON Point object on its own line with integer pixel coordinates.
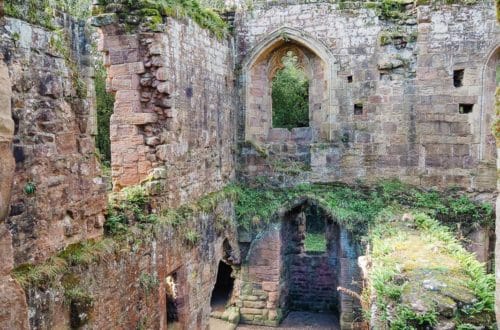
{"type": "Point", "coordinates": [223, 288]}
{"type": "Point", "coordinates": [310, 278]}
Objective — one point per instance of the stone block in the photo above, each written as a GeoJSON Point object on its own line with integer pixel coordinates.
{"type": "Point", "coordinates": [162, 74]}
{"type": "Point", "coordinates": [250, 311]}
{"type": "Point", "coordinates": [254, 304]}
{"type": "Point", "coordinates": [138, 118]}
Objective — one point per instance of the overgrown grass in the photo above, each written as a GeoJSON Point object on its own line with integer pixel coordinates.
{"type": "Point", "coordinates": [82, 253]}
{"type": "Point", "coordinates": [315, 242]}
{"type": "Point", "coordinates": [355, 207]}
{"type": "Point", "coordinates": [131, 220]}
{"type": "Point", "coordinates": [406, 254]}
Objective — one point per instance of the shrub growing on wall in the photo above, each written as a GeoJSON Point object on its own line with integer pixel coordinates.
{"type": "Point", "coordinates": [290, 94]}
{"type": "Point", "coordinates": [104, 104]}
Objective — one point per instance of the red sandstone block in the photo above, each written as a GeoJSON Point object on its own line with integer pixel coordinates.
{"type": "Point", "coordinates": [127, 96]}
{"type": "Point", "coordinates": [257, 92]}
{"type": "Point", "coordinates": [162, 74]}
{"type": "Point", "coordinates": [120, 56]}
{"type": "Point", "coordinates": [136, 118]}
{"type": "Point", "coordinates": [144, 167]}
{"type": "Point", "coordinates": [269, 286]}
{"type": "Point", "coordinates": [121, 82]}
{"type": "Point", "coordinates": [129, 158]}
{"type": "Point", "coordinates": [66, 143]}
{"type": "Point", "coordinates": [124, 109]}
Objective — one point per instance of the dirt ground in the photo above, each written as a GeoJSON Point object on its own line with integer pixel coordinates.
{"type": "Point", "coordinates": [300, 321]}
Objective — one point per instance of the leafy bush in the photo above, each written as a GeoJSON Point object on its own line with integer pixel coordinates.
{"type": "Point", "coordinates": [290, 95]}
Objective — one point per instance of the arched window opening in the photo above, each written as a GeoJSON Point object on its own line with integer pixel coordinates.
{"type": "Point", "coordinates": [290, 94]}
{"type": "Point", "coordinates": [223, 287]}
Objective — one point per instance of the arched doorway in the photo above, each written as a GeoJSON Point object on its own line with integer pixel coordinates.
{"type": "Point", "coordinates": [223, 288]}
{"type": "Point", "coordinates": [318, 257]}
{"type": "Point", "coordinates": [285, 276]}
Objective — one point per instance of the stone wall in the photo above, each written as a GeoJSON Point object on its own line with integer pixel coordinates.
{"type": "Point", "coordinates": [13, 311]}
{"type": "Point", "coordinates": [59, 195]}
{"type": "Point", "coordinates": [393, 109]}
{"type": "Point", "coordinates": [313, 283]}
{"type": "Point", "coordinates": [278, 275]}
{"type": "Point", "coordinates": [174, 108]}
{"type": "Point", "coordinates": [128, 287]}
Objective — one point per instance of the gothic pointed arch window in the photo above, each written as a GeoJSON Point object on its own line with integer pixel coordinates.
{"type": "Point", "coordinates": [288, 80]}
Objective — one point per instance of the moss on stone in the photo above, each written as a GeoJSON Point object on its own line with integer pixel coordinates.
{"type": "Point", "coordinates": [441, 280]}
{"type": "Point", "coordinates": [150, 14]}
{"type": "Point", "coordinates": [45, 13]}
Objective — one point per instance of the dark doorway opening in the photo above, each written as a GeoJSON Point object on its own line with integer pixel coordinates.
{"type": "Point", "coordinates": [223, 287]}
{"type": "Point", "coordinates": [172, 301]}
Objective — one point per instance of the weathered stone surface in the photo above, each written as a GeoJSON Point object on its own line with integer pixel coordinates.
{"type": "Point", "coordinates": [194, 269]}
{"type": "Point", "coordinates": [53, 143]}
{"type": "Point", "coordinates": [13, 307]}
{"type": "Point", "coordinates": [402, 77]}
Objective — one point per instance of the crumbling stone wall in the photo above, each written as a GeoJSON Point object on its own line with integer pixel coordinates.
{"type": "Point", "coordinates": [278, 275]}
{"type": "Point", "coordinates": [394, 109]}
{"type": "Point", "coordinates": [58, 194]}
{"type": "Point", "coordinates": [11, 294]}
{"type": "Point", "coordinates": [174, 108]}
{"type": "Point", "coordinates": [128, 286]}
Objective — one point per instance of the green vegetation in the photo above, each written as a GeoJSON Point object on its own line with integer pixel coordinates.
{"type": "Point", "coordinates": [151, 14]}
{"type": "Point", "coordinates": [148, 282]}
{"type": "Point", "coordinates": [45, 12]}
{"type": "Point", "coordinates": [419, 261]}
{"type": "Point", "coordinates": [315, 236]}
{"type": "Point", "coordinates": [315, 242]}
{"type": "Point", "coordinates": [396, 37]}
{"type": "Point", "coordinates": [29, 188]}
{"type": "Point", "coordinates": [290, 95]}
{"type": "Point", "coordinates": [104, 104]}
{"type": "Point", "coordinates": [358, 206]}
{"type": "Point", "coordinates": [82, 253]}
{"type": "Point", "coordinates": [400, 10]}
{"type": "Point", "coordinates": [367, 212]}
{"type": "Point", "coordinates": [79, 295]}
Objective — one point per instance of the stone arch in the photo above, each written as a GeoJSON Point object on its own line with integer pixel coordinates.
{"type": "Point", "coordinates": [257, 88]}
{"type": "Point", "coordinates": [490, 102]}
{"type": "Point", "coordinates": [270, 263]}
{"type": "Point", "coordinates": [487, 147]}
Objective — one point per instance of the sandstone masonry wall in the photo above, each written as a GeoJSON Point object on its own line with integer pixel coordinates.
{"type": "Point", "coordinates": [277, 275]}
{"type": "Point", "coordinates": [58, 196]}
{"type": "Point", "coordinates": [128, 287]}
{"type": "Point", "coordinates": [174, 108]}
{"type": "Point", "coordinates": [402, 76]}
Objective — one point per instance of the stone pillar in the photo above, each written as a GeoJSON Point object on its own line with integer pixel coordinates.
{"type": "Point", "coordinates": [13, 307]}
